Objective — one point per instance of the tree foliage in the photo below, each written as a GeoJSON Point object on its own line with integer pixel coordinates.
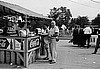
{"type": "Point", "coordinates": [80, 21]}
{"type": "Point", "coordinates": [96, 21]}
{"type": "Point", "coordinates": [61, 15]}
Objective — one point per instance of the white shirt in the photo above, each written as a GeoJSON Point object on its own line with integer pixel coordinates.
{"type": "Point", "coordinates": [45, 31]}
{"type": "Point", "coordinates": [24, 32]}
{"type": "Point", "coordinates": [63, 27]}
{"type": "Point", "coordinates": [53, 30]}
{"type": "Point", "coordinates": [87, 30]}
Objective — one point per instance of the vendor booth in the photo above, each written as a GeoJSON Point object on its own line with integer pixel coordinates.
{"type": "Point", "coordinates": [15, 48]}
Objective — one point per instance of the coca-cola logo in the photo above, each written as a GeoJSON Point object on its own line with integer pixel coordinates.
{"type": "Point", "coordinates": [34, 42]}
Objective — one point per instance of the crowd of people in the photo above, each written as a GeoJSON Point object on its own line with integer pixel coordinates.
{"type": "Point", "coordinates": [51, 32]}
{"type": "Point", "coordinates": [81, 36]}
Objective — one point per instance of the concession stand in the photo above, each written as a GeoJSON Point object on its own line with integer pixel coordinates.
{"type": "Point", "coordinates": [16, 49]}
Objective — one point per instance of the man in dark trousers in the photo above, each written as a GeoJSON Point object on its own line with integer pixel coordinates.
{"type": "Point", "coordinates": [75, 35]}
{"type": "Point", "coordinates": [98, 42]}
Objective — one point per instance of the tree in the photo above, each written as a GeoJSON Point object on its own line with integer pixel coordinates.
{"type": "Point", "coordinates": [82, 21]}
{"type": "Point", "coordinates": [61, 15]}
{"type": "Point", "coordinates": [96, 21]}
{"type": "Point", "coordinates": [79, 21]}
{"type": "Point", "coordinates": [72, 22]}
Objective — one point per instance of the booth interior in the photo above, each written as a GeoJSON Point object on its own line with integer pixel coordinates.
{"type": "Point", "coordinates": [20, 44]}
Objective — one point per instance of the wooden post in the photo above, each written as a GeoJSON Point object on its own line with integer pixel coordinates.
{"type": "Point", "coordinates": [2, 56]}
{"type": "Point", "coordinates": [26, 53]}
{"type": "Point", "coordinates": [42, 52]}
{"type": "Point", "coordinates": [26, 24]}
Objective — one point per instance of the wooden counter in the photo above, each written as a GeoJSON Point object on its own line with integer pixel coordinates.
{"type": "Point", "coordinates": [18, 50]}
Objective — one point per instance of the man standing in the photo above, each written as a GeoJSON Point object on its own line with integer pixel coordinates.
{"type": "Point", "coordinates": [53, 33]}
{"type": "Point", "coordinates": [87, 33]}
{"type": "Point", "coordinates": [75, 35]}
{"type": "Point", "coordinates": [63, 29]}
{"type": "Point", "coordinates": [46, 40]}
{"type": "Point", "coordinates": [97, 43]}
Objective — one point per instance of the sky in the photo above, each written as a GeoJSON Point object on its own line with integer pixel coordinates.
{"type": "Point", "coordinates": [77, 7]}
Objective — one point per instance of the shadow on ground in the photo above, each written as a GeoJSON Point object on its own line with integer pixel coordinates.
{"type": "Point", "coordinates": [41, 62]}
{"type": "Point", "coordinates": [76, 46]}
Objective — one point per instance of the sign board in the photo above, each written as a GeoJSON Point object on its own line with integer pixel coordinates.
{"type": "Point", "coordinates": [19, 44]}
{"type": "Point", "coordinates": [4, 43]}
{"type": "Point", "coordinates": [34, 42]}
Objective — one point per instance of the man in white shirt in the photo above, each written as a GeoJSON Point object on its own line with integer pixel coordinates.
{"type": "Point", "coordinates": [53, 33]}
{"type": "Point", "coordinates": [63, 29]}
{"type": "Point", "coordinates": [87, 33]}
